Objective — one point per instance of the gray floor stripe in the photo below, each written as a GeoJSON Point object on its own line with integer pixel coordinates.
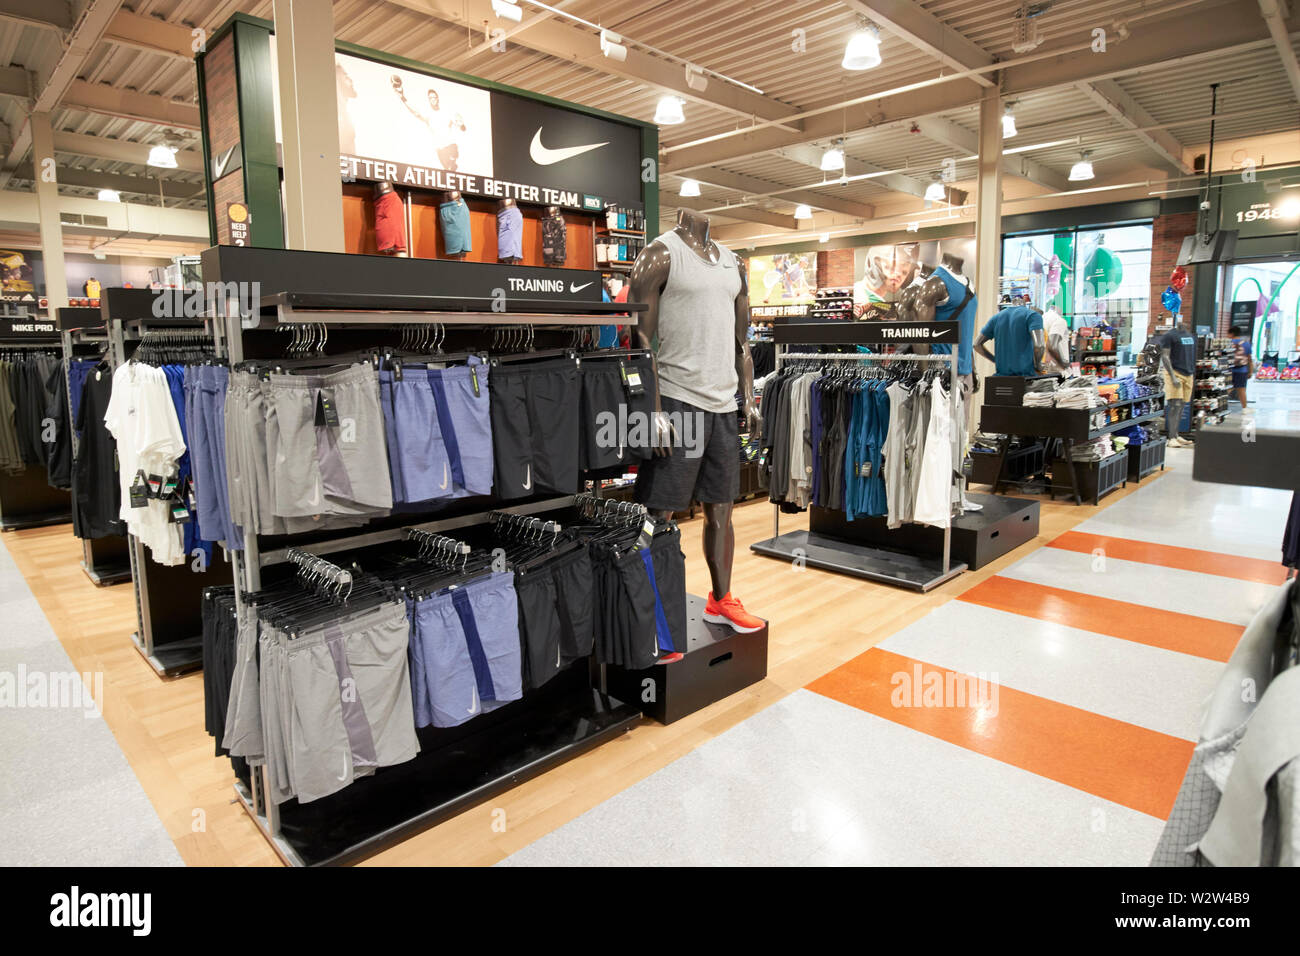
{"type": "Point", "coordinates": [68, 797]}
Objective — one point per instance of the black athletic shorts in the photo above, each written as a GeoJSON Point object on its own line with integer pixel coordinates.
{"type": "Point", "coordinates": [704, 465]}
{"type": "Point", "coordinates": [535, 428]}
{"type": "Point", "coordinates": [670, 577]}
{"type": "Point", "coordinates": [617, 427]}
{"type": "Point", "coordinates": [555, 615]}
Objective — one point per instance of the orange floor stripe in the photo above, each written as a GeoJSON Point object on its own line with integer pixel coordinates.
{"type": "Point", "coordinates": [1117, 761]}
{"type": "Point", "coordinates": [1167, 556]}
{"type": "Point", "coordinates": [1186, 633]}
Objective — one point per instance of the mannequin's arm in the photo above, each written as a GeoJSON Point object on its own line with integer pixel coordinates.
{"type": "Point", "coordinates": [1040, 348]}
{"type": "Point", "coordinates": [1166, 363]}
{"type": "Point", "coordinates": [649, 275]}
{"type": "Point", "coordinates": [979, 348]}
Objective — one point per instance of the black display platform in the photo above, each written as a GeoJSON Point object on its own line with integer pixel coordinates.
{"type": "Point", "coordinates": [28, 501]}
{"type": "Point", "coordinates": [1247, 452]}
{"type": "Point", "coordinates": [173, 658]}
{"type": "Point", "coordinates": [863, 561]}
{"type": "Point", "coordinates": [718, 663]}
{"type": "Point", "coordinates": [106, 560]}
{"type": "Point", "coordinates": [457, 768]}
{"type": "Point", "coordinates": [978, 537]}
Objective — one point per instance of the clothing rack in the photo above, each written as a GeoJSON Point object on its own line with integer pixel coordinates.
{"type": "Point", "coordinates": [27, 500]}
{"type": "Point", "coordinates": [456, 767]}
{"type": "Point", "coordinates": [105, 560]}
{"type": "Point", "coordinates": [168, 599]}
{"type": "Point", "coordinates": [820, 550]}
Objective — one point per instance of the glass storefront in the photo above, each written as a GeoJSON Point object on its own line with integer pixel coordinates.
{"type": "Point", "coordinates": [1275, 289]}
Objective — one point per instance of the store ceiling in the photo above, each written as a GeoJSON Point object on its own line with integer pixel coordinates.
{"type": "Point", "coordinates": [137, 81]}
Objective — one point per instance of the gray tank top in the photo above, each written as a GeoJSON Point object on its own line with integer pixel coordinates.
{"type": "Point", "coordinates": [697, 327]}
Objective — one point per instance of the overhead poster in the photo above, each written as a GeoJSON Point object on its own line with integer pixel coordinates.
{"type": "Point", "coordinates": [424, 132]}
{"type": "Point", "coordinates": [882, 272]}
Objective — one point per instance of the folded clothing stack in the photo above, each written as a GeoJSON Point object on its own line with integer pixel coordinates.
{"type": "Point", "coordinates": [1137, 434]}
{"type": "Point", "coordinates": [1094, 450]}
{"type": "Point", "coordinates": [1039, 399]}
{"type": "Point", "coordinates": [1077, 398]}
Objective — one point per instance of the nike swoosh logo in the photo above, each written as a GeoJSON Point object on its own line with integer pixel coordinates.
{"type": "Point", "coordinates": [219, 163]}
{"type": "Point", "coordinates": [578, 288]}
{"type": "Point", "coordinates": [443, 486]}
{"type": "Point", "coordinates": [528, 478]}
{"type": "Point", "coordinates": [549, 157]}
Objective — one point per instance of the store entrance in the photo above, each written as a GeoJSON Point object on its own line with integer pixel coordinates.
{"type": "Point", "coordinates": [1274, 287]}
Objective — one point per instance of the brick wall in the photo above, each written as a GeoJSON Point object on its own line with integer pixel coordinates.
{"type": "Point", "coordinates": [223, 126]}
{"type": "Point", "coordinates": [1167, 236]}
{"type": "Point", "coordinates": [835, 268]}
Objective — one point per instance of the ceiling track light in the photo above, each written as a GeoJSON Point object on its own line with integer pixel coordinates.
{"type": "Point", "coordinates": [695, 78]}
{"type": "Point", "coordinates": [1082, 170]}
{"type": "Point", "coordinates": [803, 211]}
{"type": "Point", "coordinates": [1008, 122]}
{"type": "Point", "coordinates": [862, 52]}
{"type": "Point", "coordinates": [690, 187]}
{"type": "Point", "coordinates": [507, 10]}
{"type": "Point", "coordinates": [611, 45]}
{"type": "Point", "coordinates": [935, 192]}
{"type": "Point", "coordinates": [668, 112]}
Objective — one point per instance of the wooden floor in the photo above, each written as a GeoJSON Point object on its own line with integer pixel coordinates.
{"type": "Point", "coordinates": [818, 621]}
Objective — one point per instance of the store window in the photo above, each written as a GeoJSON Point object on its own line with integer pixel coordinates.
{"type": "Point", "coordinates": [1091, 276]}
{"type": "Point", "coordinates": [1274, 287]}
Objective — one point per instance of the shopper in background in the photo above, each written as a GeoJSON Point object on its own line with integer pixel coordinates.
{"type": "Point", "coordinates": [1178, 367]}
{"type": "Point", "coordinates": [1243, 363]}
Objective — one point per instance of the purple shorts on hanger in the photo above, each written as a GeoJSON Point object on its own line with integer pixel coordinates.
{"type": "Point", "coordinates": [439, 432]}
{"type": "Point", "coordinates": [465, 651]}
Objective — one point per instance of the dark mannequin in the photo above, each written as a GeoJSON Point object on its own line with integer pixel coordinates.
{"type": "Point", "coordinates": [1040, 344]}
{"type": "Point", "coordinates": [950, 262]}
{"type": "Point", "coordinates": [452, 196]}
{"type": "Point", "coordinates": [383, 188]}
{"type": "Point", "coordinates": [1174, 406]}
{"type": "Point", "coordinates": [649, 277]}
{"type": "Point", "coordinates": [503, 205]}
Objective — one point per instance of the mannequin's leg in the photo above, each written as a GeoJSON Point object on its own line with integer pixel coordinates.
{"type": "Point", "coordinates": [719, 546]}
{"type": "Point", "coordinates": [1173, 415]}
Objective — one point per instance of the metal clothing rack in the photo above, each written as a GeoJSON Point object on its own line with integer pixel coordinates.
{"type": "Point", "coordinates": [168, 599]}
{"type": "Point", "coordinates": [105, 560]}
{"type": "Point", "coordinates": [27, 500]}
{"type": "Point", "coordinates": [457, 767]}
{"type": "Point", "coordinates": [818, 549]}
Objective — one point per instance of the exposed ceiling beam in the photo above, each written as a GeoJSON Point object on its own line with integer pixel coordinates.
{"type": "Point", "coordinates": [743, 213]}
{"type": "Point", "coordinates": [1275, 14]}
{"type": "Point", "coordinates": [151, 35]}
{"type": "Point", "coordinates": [927, 33]}
{"type": "Point", "coordinates": [78, 44]}
{"type": "Point", "coordinates": [1191, 35]}
{"type": "Point", "coordinates": [120, 151]}
{"type": "Point", "coordinates": [753, 186]}
{"type": "Point", "coordinates": [1129, 113]}
{"type": "Point", "coordinates": [574, 44]}
{"type": "Point", "coordinates": [811, 156]}
{"type": "Point", "coordinates": [130, 104]}
{"type": "Point", "coordinates": [966, 142]}
{"type": "Point", "coordinates": [50, 14]}
{"type": "Point", "coordinates": [135, 185]}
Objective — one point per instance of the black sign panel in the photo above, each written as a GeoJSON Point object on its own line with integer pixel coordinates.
{"type": "Point", "coordinates": [1243, 314]}
{"type": "Point", "coordinates": [20, 327]}
{"type": "Point", "coordinates": [536, 143]}
{"type": "Point", "coordinates": [866, 333]}
{"type": "Point", "coordinates": [339, 275]}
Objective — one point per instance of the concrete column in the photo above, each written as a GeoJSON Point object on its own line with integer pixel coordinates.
{"type": "Point", "coordinates": [313, 190]}
{"type": "Point", "coordinates": [988, 228]}
{"type": "Point", "coordinates": [47, 204]}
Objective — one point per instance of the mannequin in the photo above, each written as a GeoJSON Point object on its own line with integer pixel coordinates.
{"type": "Point", "coordinates": [689, 282]}
{"type": "Point", "coordinates": [453, 215]}
{"type": "Point", "coordinates": [1016, 325]}
{"type": "Point", "coordinates": [510, 233]}
{"type": "Point", "coordinates": [1178, 369]}
{"type": "Point", "coordinates": [554, 237]}
{"type": "Point", "coordinates": [390, 220]}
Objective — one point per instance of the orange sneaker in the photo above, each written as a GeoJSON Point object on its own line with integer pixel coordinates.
{"type": "Point", "coordinates": [731, 612]}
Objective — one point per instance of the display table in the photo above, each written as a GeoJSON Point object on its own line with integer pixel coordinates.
{"type": "Point", "coordinates": [1242, 451]}
{"type": "Point", "coordinates": [1068, 424]}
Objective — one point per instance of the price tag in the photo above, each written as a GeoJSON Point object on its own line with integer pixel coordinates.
{"type": "Point", "coordinates": [647, 533]}
{"type": "Point", "coordinates": [139, 491]}
{"type": "Point", "coordinates": [327, 415]}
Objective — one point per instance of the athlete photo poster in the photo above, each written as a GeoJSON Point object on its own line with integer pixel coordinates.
{"type": "Point", "coordinates": [783, 279]}
{"type": "Point", "coordinates": [407, 118]}
{"type": "Point", "coordinates": [882, 272]}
